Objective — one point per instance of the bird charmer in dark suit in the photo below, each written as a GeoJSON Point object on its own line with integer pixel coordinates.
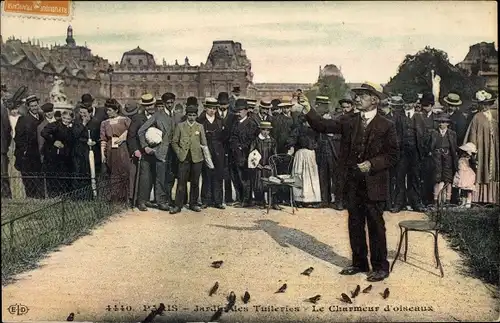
{"type": "Point", "coordinates": [162, 120]}
{"type": "Point", "coordinates": [371, 148]}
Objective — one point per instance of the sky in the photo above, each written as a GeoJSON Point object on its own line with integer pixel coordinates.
{"type": "Point", "coordinates": [285, 41]}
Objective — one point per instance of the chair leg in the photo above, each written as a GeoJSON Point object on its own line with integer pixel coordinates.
{"type": "Point", "coordinates": [401, 234]}
{"type": "Point", "coordinates": [436, 254]}
{"type": "Point", "coordinates": [268, 199]}
{"type": "Point", "coordinates": [406, 245]}
{"type": "Point", "coordinates": [292, 201]}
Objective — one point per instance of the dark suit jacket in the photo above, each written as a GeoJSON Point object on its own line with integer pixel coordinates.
{"type": "Point", "coordinates": [381, 150]}
{"type": "Point", "coordinates": [6, 130]}
{"type": "Point", "coordinates": [100, 114]}
{"type": "Point", "coordinates": [459, 125]}
{"type": "Point", "coordinates": [165, 123]}
{"type": "Point", "coordinates": [133, 142]}
{"type": "Point", "coordinates": [227, 125]}
{"type": "Point", "coordinates": [422, 132]}
{"type": "Point", "coordinates": [452, 137]}
{"type": "Point", "coordinates": [26, 138]}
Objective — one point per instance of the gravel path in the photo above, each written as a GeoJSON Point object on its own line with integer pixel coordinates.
{"type": "Point", "coordinates": [140, 259]}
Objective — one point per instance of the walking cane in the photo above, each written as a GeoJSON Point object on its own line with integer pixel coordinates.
{"type": "Point", "coordinates": [136, 182]}
{"type": "Point", "coordinates": [92, 167]}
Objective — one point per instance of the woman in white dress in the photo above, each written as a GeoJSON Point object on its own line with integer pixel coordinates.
{"type": "Point", "coordinates": [16, 184]}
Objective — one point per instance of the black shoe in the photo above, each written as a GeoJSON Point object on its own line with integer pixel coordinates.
{"type": "Point", "coordinates": [276, 207]}
{"type": "Point", "coordinates": [377, 275]}
{"type": "Point", "coordinates": [353, 270]}
{"type": "Point", "coordinates": [338, 206]}
{"type": "Point", "coordinates": [396, 209]}
{"type": "Point", "coordinates": [220, 207]}
{"type": "Point", "coordinates": [195, 208]}
{"type": "Point", "coordinates": [175, 210]}
{"type": "Point", "coordinates": [151, 204]}
{"type": "Point", "coordinates": [164, 207]}
{"type": "Point", "coordinates": [142, 207]}
{"type": "Point", "coordinates": [419, 208]}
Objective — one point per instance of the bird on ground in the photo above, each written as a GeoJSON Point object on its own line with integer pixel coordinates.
{"type": "Point", "coordinates": [314, 299]}
{"type": "Point", "coordinates": [231, 299]}
{"type": "Point", "coordinates": [345, 298]}
{"type": "Point", "coordinates": [386, 293]}
{"type": "Point", "coordinates": [217, 264]}
{"type": "Point", "coordinates": [367, 289]}
{"type": "Point", "coordinates": [217, 314]}
{"type": "Point", "coordinates": [282, 289]}
{"type": "Point", "coordinates": [356, 291]}
{"type": "Point", "coordinates": [308, 271]}
{"type": "Point", "coordinates": [71, 317]}
{"type": "Point", "coordinates": [214, 289]}
{"type": "Point", "coordinates": [246, 297]}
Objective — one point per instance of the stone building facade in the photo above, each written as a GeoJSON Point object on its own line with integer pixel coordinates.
{"type": "Point", "coordinates": [482, 60]}
{"type": "Point", "coordinates": [34, 65]}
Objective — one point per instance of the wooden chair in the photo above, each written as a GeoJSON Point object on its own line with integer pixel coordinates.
{"type": "Point", "coordinates": [430, 226]}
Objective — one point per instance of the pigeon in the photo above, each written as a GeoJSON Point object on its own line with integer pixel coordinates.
{"type": "Point", "coordinates": [153, 313]}
{"type": "Point", "coordinates": [217, 264]}
{"type": "Point", "coordinates": [356, 291]}
{"type": "Point", "coordinates": [71, 317]}
{"type": "Point", "coordinates": [367, 289]}
{"type": "Point", "coordinates": [282, 289]}
{"type": "Point", "coordinates": [231, 299]}
{"type": "Point", "coordinates": [214, 289]}
{"type": "Point", "coordinates": [345, 298]}
{"type": "Point", "coordinates": [217, 314]}
{"type": "Point", "coordinates": [246, 297]}
{"type": "Point", "coordinates": [160, 309]}
{"type": "Point", "coordinates": [314, 299]}
{"type": "Point", "coordinates": [386, 293]}
{"type": "Point", "coordinates": [308, 271]}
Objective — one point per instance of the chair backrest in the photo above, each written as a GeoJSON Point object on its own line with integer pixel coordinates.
{"type": "Point", "coordinates": [281, 164]}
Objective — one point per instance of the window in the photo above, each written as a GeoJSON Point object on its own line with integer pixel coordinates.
{"type": "Point", "coordinates": [168, 77]}
{"type": "Point", "coordinates": [129, 61]}
{"type": "Point", "coordinates": [132, 93]}
{"type": "Point", "coordinates": [140, 62]}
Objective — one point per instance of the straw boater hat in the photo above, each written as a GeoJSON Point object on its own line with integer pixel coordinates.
{"type": "Point", "coordinates": [452, 99]}
{"type": "Point", "coordinates": [31, 98]}
{"type": "Point", "coordinates": [147, 99]}
{"type": "Point", "coordinates": [211, 102]}
{"type": "Point", "coordinates": [265, 125]}
{"type": "Point", "coordinates": [484, 97]}
{"type": "Point", "coordinates": [265, 104]}
{"type": "Point", "coordinates": [285, 101]}
{"type": "Point", "coordinates": [469, 148]}
{"type": "Point", "coordinates": [321, 99]}
{"type": "Point", "coordinates": [252, 103]}
{"type": "Point", "coordinates": [130, 108]}
{"type": "Point", "coordinates": [371, 87]}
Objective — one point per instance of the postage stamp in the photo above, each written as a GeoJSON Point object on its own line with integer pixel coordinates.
{"type": "Point", "coordinates": [40, 9]}
{"type": "Point", "coordinates": [316, 161]}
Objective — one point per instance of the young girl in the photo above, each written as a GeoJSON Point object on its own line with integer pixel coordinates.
{"type": "Point", "coordinates": [465, 177]}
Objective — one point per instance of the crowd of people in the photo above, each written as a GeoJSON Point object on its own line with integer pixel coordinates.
{"type": "Point", "coordinates": [230, 144]}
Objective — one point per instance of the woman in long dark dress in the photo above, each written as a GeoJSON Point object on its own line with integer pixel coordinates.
{"type": "Point", "coordinates": [114, 150]}
{"type": "Point", "coordinates": [58, 146]}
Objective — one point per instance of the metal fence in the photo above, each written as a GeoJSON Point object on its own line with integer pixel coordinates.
{"type": "Point", "coordinates": [34, 226]}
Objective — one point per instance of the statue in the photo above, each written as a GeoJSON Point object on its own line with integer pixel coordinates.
{"type": "Point", "coordinates": [436, 80]}
{"type": "Point", "coordinates": [186, 61]}
{"type": "Point", "coordinates": [56, 94]}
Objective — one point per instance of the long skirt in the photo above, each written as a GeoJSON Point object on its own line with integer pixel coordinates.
{"type": "Point", "coordinates": [305, 170]}
{"type": "Point", "coordinates": [486, 193]}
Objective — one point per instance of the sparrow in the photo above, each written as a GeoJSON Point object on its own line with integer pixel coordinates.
{"type": "Point", "coordinates": [345, 298]}
{"type": "Point", "coordinates": [308, 271]}
{"type": "Point", "coordinates": [217, 314]}
{"type": "Point", "coordinates": [356, 291]}
{"type": "Point", "coordinates": [386, 293]}
{"type": "Point", "coordinates": [214, 289]}
{"type": "Point", "coordinates": [282, 289]}
{"type": "Point", "coordinates": [217, 264]}
{"type": "Point", "coordinates": [71, 317]}
{"type": "Point", "coordinates": [231, 299]}
{"type": "Point", "coordinates": [367, 289]}
{"type": "Point", "coordinates": [314, 299]}
{"type": "Point", "coordinates": [246, 297]}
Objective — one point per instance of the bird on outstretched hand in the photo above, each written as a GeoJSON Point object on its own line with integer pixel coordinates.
{"type": "Point", "coordinates": [71, 317]}
{"type": "Point", "coordinates": [217, 264]}
{"type": "Point", "coordinates": [246, 297]}
{"type": "Point", "coordinates": [356, 291]}
{"type": "Point", "coordinates": [367, 289]}
{"type": "Point", "coordinates": [308, 271]}
{"type": "Point", "coordinates": [386, 293]}
{"type": "Point", "coordinates": [214, 289]}
{"type": "Point", "coordinates": [282, 289]}
{"type": "Point", "coordinates": [314, 299]}
{"type": "Point", "coordinates": [345, 298]}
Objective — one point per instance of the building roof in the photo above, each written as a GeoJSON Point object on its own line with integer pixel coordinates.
{"type": "Point", "coordinates": [137, 51]}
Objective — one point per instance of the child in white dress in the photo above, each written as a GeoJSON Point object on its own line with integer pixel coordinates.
{"type": "Point", "coordinates": [465, 177]}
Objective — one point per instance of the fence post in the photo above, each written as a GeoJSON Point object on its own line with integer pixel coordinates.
{"type": "Point", "coordinates": [45, 185]}
{"type": "Point", "coordinates": [11, 227]}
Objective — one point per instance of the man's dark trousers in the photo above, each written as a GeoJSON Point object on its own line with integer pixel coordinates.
{"type": "Point", "coordinates": [6, 192]}
{"type": "Point", "coordinates": [361, 210]}
{"type": "Point", "coordinates": [188, 171]}
{"type": "Point", "coordinates": [408, 170]}
{"type": "Point", "coordinates": [147, 176]}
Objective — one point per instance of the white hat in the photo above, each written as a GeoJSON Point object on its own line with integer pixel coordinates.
{"type": "Point", "coordinates": [469, 148]}
{"type": "Point", "coordinates": [154, 136]}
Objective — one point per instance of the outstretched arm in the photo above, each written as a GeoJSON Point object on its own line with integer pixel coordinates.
{"type": "Point", "coordinates": [320, 124]}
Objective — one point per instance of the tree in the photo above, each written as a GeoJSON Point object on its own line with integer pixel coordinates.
{"type": "Point", "coordinates": [414, 75]}
{"type": "Point", "coordinates": [332, 86]}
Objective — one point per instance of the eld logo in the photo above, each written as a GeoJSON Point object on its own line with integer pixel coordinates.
{"type": "Point", "coordinates": [18, 309]}
{"type": "Point", "coordinates": [59, 8]}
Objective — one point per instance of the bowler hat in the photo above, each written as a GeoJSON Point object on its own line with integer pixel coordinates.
{"type": "Point", "coordinates": [87, 98]}
{"type": "Point", "coordinates": [191, 109]}
{"type": "Point", "coordinates": [265, 125]}
{"type": "Point", "coordinates": [192, 101]}
{"type": "Point", "coordinates": [320, 99]}
{"type": "Point", "coordinates": [371, 87]}
{"type": "Point", "coordinates": [275, 103]}
{"type": "Point", "coordinates": [452, 99]}
{"type": "Point", "coordinates": [346, 99]}
{"type": "Point", "coordinates": [130, 108]}
{"type": "Point", "coordinates": [236, 89]}
{"type": "Point", "coordinates": [427, 99]}
{"type": "Point", "coordinates": [223, 98]}
{"type": "Point", "coordinates": [31, 98]}
{"type": "Point", "coordinates": [410, 97]}
{"type": "Point", "coordinates": [211, 102]}
{"type": "Point", "coordinates": [47, 107]}
{"type": "Point", "coordinates": [241, 104]}
{"type": "Point", "coordinates": [396, 101]}
{"type": "Point", "coordinates": [265, 104]}
{"type": "Point", "coordinates": [167, 96]}
{"type": "Point", "coordinates": [147, 99]}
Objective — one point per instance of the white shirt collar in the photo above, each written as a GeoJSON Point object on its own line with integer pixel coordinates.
{"type": "Point", "coordinates": [223, 113]}
{"type": "Point", "coordinates": [262, 137]}
{"type": "Point", "coordinates": [34, 115]}
{"type": "Point", "coordinates": [369, 115]}
{"type": "Point", "coordinates": [51, 120]}
{"type": "Point", "coordinates": [243, 119]}
{"type": "Point", "coordinates": [429, 114]}
{"type": "Point", "coordinates": [411, 112]}
{"type": "Point", "coordinates": [147, 114]}
{"type": "Point", "coordinates": [167, 111]}
{"type": "Point", "coordinates": [190, 124]}
{"type": "Point", "coordinates": [443, 131]}
{"type": "Point", "coordinates": [210, 119]}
